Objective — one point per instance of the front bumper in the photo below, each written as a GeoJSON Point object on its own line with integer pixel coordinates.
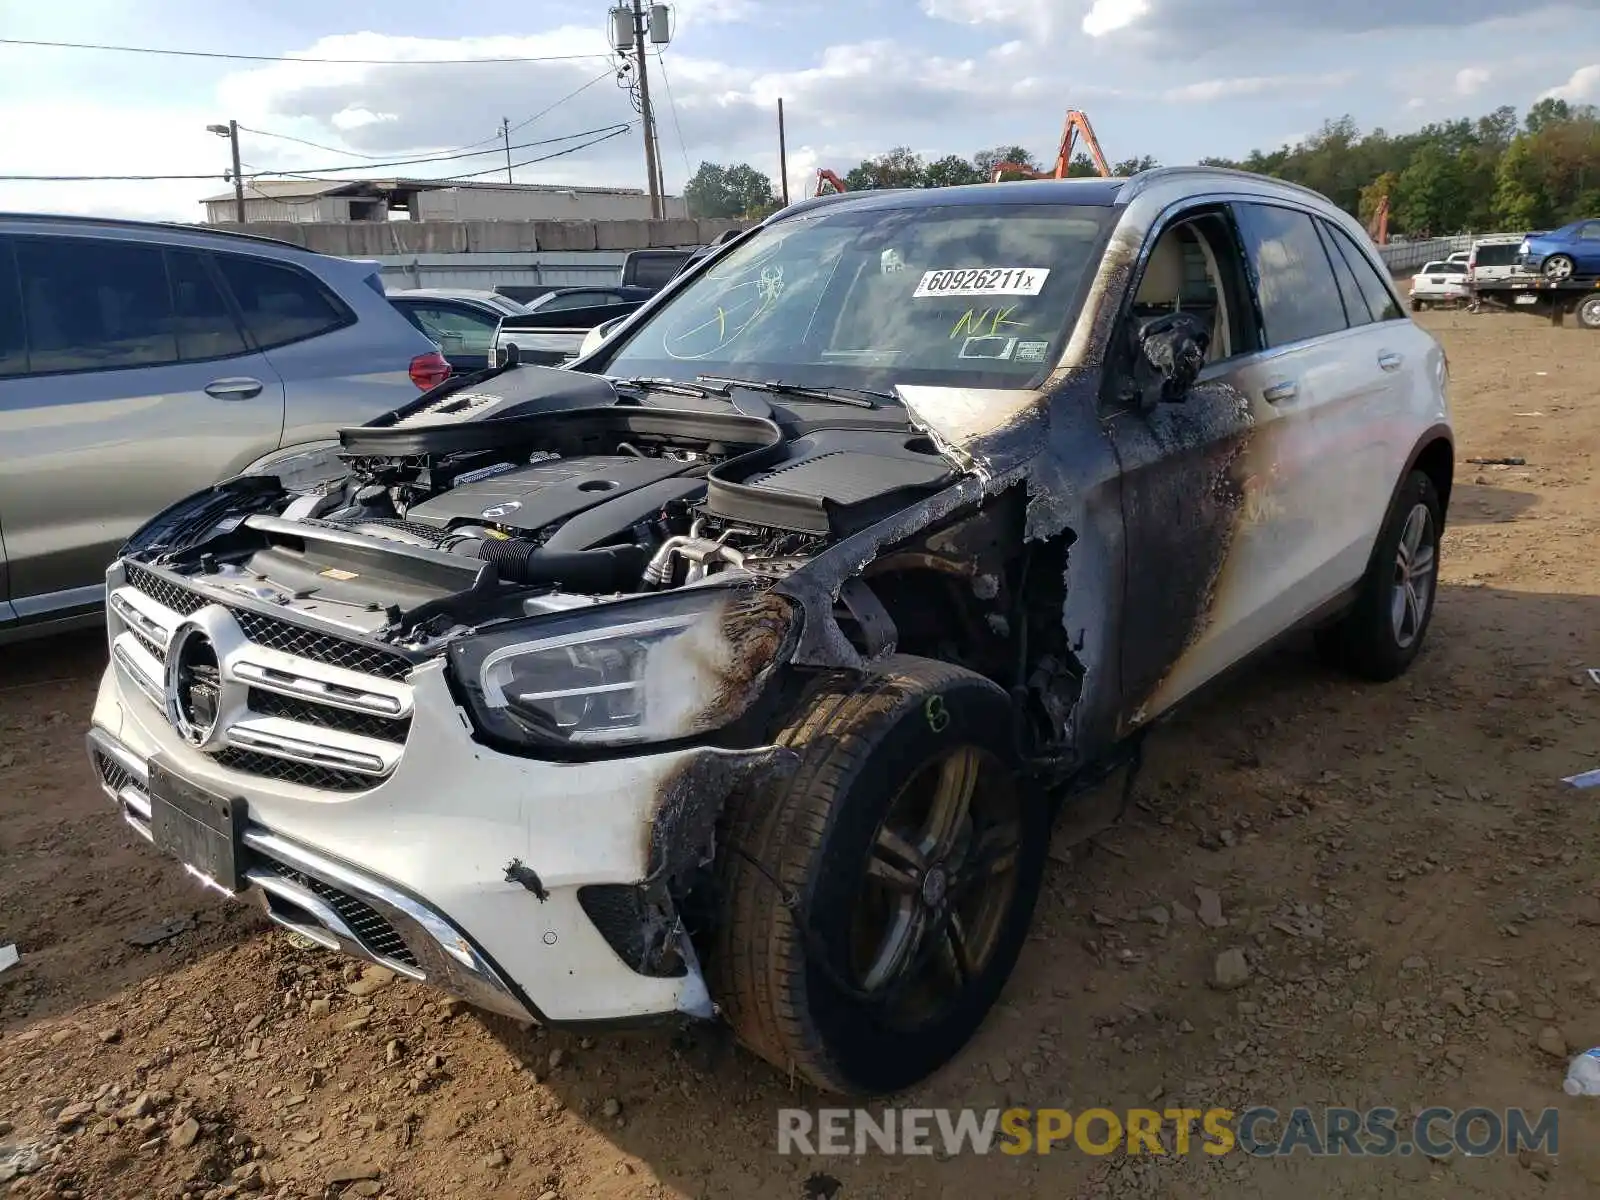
{"type": "Point", "coordinates": [416, 873]}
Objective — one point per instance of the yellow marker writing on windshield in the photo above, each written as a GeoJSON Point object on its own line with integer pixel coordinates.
{"type": "Point", "coordinates": [987, 323]}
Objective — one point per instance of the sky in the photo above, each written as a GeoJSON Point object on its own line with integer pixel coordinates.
{"type": "Point", "coordinates": [1176, 79]}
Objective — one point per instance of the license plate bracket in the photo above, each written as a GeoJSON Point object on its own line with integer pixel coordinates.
{"type": "Point", "coordinates": [199, 828]}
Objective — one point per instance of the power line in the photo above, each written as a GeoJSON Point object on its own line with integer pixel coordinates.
{"type": "Point", "coordinates": [546, 111]}
{"type": "Point", "coordinates": [617, 132]}
{"type": "Point", "coordinates": [284, 137]}
{"type": "Point", "coordinates": [494, 137]}
{"type": "Point", "coordinates": [433, 158]}
{"type": "Point", "coordinates": [610, 130]}
{"type": "Point", "coordinates": [672, 107]}
{"type": "Point", "coordinates": [497, 136]}
{"type": "Point", "coordinates": [288, 58]}
{"type": "Point", "coordinates": [103, 178]}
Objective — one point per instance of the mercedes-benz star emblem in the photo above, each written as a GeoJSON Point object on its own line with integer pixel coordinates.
{"type": "Point", "coordinates": [501, 510]}
{"type": "Point", "coordinates": [194, 685]}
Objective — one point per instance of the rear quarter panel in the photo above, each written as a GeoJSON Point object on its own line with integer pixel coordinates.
{"type": "Point", "coordinates": [353, 374]}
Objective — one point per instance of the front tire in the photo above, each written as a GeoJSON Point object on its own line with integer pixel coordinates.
{"type": "Point", "coordinates": [1557, 267]}
{"type": "Point", "coordinates": [1382, 633]}
{"type": "Point", "coordinates": [1589, 313]}
{"type": "Point", "coordinates": [875, 902]}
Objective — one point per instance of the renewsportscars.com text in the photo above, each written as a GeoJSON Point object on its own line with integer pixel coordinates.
{"type": "Point", "coordinates": [1260, 1131]}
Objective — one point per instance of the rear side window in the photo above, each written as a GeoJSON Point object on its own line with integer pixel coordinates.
{"type": "Point", "coordinates": [280, 304]}
{"type": "Point", "coordinates": [654, 270]}
{"type": "Point", "coordinates": [13, 335]}
{"type": "Point", "coordinates": [1379, 296]}
{"type": "Point", "coordinates": [204, 326]}
{"type": "Point", "coordinates": [577, 300]}
{"type": "Point", "coordinates": [455, 330]}
{"type": "Point", "coordinates": [94, 305]}
{"type": "Point", "coordinates": [1355, 304]}
{"type": "Point", "coordinates": [1294, 280]}
{"type": "Point", "coordinates": [1501, 254]}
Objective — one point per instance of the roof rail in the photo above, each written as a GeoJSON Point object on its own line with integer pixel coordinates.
{"type": "Point", "coordinates": [1144, 179]}
{"type": "Point", "coordinates": [169, 226]}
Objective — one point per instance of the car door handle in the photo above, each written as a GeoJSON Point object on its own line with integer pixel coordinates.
{"type": "Point", "coordinates": [242, 388]}
{"type": "Point", "coordinates": [1390, 361]}
{"type": "Point", "coordinates": [1277, 393]}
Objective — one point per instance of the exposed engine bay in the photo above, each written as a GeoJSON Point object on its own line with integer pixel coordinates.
{"type": "Point", "coordinates": [566, 491]}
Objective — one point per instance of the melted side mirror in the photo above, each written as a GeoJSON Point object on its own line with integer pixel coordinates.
{"type": "Point", "coordinates": [1171, 350]}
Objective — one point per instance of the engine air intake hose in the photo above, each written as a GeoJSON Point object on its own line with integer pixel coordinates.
{"type": "Point", "coordinates": [608, 568]}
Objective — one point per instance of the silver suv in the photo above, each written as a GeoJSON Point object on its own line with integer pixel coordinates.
{"type": "Point", "coordinates": [141, 362]}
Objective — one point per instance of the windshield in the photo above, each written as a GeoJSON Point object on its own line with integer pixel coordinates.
{"type": "Point", "coordinates": [953, 295]}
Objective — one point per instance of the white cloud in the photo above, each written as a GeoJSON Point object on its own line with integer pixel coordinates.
{"type": "Point", "coordinates": [1039, 17]}
{"type": "Point", "coordinates": [1583, 87]}
{"type": "Point", "coordinates": [1107, 16]}
{"type": "Point", "coordinates": [709, 12]}
{"type": "Point", "coordinates": [1470, 80]}
{"type": "Point", "coordinates": [1253, 85]}
{"type": "Point", "coordinates": [126, 140]}
{"type": "Point", "coordinates": [354, 118]}
{"type": "Point", "coordinates": [844, 102]}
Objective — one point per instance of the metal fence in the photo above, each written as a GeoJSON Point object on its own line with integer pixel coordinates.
{"type": "Point", "coordinates": [551, 268]}
{"type": "Point", "coordinates": [1402, 256]}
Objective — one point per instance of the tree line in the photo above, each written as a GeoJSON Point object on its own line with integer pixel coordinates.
{"type": "Point", "coordinates": [1465, 175]}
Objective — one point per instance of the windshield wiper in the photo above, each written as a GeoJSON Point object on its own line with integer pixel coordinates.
{"type": "Point", "coordinates": [855, 397]}
{"type": "Point", "coordinates": [677, 387]}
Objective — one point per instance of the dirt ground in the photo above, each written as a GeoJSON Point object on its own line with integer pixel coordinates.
{"type": "Point", "coordinates": [1415, 889]}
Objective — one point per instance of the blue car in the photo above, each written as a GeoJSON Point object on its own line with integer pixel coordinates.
{"type": "Point", "coordinates": [1564, 253]}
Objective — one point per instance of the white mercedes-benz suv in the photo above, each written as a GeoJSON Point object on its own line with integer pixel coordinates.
{"type": "Point", "coordinates": [738, 669]}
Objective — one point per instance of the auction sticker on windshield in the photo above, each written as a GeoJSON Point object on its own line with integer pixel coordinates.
{"type": "Point", "coordinates": [984, 281]}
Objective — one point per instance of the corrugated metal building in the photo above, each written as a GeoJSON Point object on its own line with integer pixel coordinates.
{"type": "Point", "coordinates": [352, 200]}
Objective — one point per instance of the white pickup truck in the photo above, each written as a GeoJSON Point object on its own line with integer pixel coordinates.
{"type": "Point", "coordinates": [1440, 282]}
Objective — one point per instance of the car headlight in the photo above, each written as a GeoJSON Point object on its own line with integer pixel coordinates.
{"type": "Point", "coordinates": [649, 670]}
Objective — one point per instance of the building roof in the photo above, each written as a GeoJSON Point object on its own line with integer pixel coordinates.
{"type": "Point", "coordinates": [293, 189]}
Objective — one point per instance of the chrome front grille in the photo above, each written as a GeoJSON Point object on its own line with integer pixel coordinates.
{"type": "Point", "coordinates": [323, 779]}
{"type": "Point", "coordinates": [164, 592]}
{"type": "Point", "coordinates": [321, 647]}
{"type": "Point", "coordinates": [262, 695]}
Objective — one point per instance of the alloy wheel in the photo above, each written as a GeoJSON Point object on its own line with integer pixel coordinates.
{"type": "Point", "coordinates": [938, 882]}
{"type": "Point", "coordinates": [1416, 562]}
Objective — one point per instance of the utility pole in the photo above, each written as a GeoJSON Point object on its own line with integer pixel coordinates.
{"type": "Point", "coordinates": [648, 114]}
{"type": "Point", "coordinates": [661, 173]}
{"type": "Point", "coordinates": [238, 176]}
{"type": "Point", "coordinates": [505, 132]}
{"type": "Point", "coordinates": [231, 132]}
{"type": "Point", "coordinates": [783, 154]}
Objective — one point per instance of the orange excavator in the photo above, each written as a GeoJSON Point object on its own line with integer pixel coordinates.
{"type": "Point", "coordinates": [1077, 125]}
{"type": "Point", "coordinates": [1378, 227]}
{"type": "Point", "coordinates": [826, 177]}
